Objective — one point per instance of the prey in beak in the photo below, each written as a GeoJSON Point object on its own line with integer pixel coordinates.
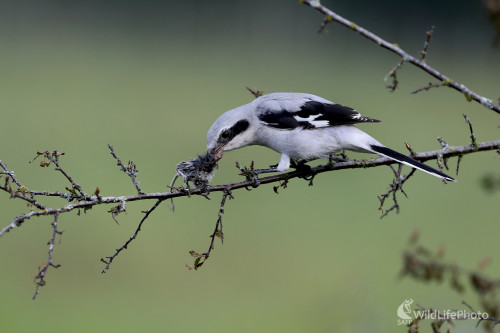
{"type": "Point", "coordinates": [197, 171]}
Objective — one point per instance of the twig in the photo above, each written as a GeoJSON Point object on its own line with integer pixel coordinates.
{"type": "Point", "coordinates": [110, 259]}
{"type": "Point", "coordinates": [397, 185]}
{"type": "Point", "coordinates": [40, 277]}
{"type": "Point", "coordinates": [392, 73]}
{"type": "Point", "coordinates": [324, 23]}
{"type": "Point", "coordinates": [425, 50]}
{"type": "Point", "coordinates": [130, 171]}
{"type": "Point", "coordinates": [472, 135]}
{"type": "Point", "coordinates": [443, 143]}
{"type": "Point", "coordinates": [410, 149]}
{"type": "Point", "coordinates": [201, 258]}
{"type": "Point", "coordinates": [468, 93]}
{"type": "Point", "coordinates": [494, 320]}
{"type": "Point", "coordinates": [11, 174]}
{"type": "Point", "coordinates": [428, 87]}
{"type": "Point", "coordinates": [53, 157]}
{"type": "Point", "coordinates": [21, 192]}
{"type": "Point", "coordinates": [459, 159]}
{"type": "Point", "coordinates": [256, 93]}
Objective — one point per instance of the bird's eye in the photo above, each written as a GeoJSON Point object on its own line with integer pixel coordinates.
{"type": "Point", "coordinates": [225, 135]}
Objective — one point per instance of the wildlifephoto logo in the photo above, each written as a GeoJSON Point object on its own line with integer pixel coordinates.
{"type": "Point", "coordinates": [406, 314]}
{"type": "Point", "coordinates": [404, 310]}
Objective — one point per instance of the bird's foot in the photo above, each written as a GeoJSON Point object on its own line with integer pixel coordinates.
{"type": "Point", "coordinates": [336, 158]}
{"type": "Point", "coordinates": [301, 166]}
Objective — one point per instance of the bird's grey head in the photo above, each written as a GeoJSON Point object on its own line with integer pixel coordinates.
{"type": "Point", "coordinates": [230, 131]}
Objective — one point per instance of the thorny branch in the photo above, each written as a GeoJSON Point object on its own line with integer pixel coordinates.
{"type": "Point", "coordinates": [53, 157]}
{"type": "Point", "coordinates": [428, 87]}
{"type": "Point", "coordinates": [494, 321]}
{"type": "Point", "coordinates": [79, 202]}
{"type": "Point", "coordinates": [42, 270]}
{"type": "Point", "coordinates": [22, 190]}
{"type": "Point", "coordinates": [399, 180]}
{"type": "Point", "coordinates": [96, 200]}
{"type": "Point", "coordinates": [256, 93]}
{"type": "Point", "coordinates": [130, 170]}
{"type": "Point", "coordinates": [201, 258]}
{"type": "Point", "coordinates": [100, 200]}
{"type": "Point", "coordinates": [331, 16]}
{"type": "Point", "coordinates": [397, 185]}
{"type": "Point", "coordinates": [109, 259]}
{"type": "Point", "coordinates": [472, 135]}
{"type": "Point", "coordinates": [392, 74]}
{"type": "Point", "coordinates": [425, 50]}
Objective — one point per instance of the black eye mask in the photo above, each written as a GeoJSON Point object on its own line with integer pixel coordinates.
{"type": "Point", "coordinates": [228, 134]}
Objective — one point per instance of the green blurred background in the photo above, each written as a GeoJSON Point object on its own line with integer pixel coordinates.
{"type": "Point", "coordinates": [149, 77]}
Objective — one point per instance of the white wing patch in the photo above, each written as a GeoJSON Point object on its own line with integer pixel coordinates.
{"type": "Point", "coordinates": [312, 120]}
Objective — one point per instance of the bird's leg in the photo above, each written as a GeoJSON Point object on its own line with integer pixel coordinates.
{"type": "Point", "coordinates": [284, 164]}
{"type": "Point", "coordinates": [331, 160]}
{"type": "Point", "coordinates": [253, 174]}
{"type": "Point", "coordinates": [281, 166]}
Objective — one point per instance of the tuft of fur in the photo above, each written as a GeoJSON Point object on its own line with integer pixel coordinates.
{"type": "Point", "coordinates": [198, 171]}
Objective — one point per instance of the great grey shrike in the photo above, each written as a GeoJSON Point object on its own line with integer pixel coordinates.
{"type": "Point", "coordinates": [300, 127]}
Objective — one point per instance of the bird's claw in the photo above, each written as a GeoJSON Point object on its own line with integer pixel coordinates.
{"type": "Point", "coordinates": [301, 166]}
{"type": "Point", "coordinates": [333, 158]}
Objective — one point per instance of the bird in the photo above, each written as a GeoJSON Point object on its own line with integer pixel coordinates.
{"type": "Point", "coordinates": [301, 127]}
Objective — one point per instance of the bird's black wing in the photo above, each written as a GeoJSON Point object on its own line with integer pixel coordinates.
{"type": "Point", "coordinates": [307, 113]}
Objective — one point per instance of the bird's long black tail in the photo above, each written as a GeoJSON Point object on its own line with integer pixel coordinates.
{"type": "Point", "coordinates": [398, 157]}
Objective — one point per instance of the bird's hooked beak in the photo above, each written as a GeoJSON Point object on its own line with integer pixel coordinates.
{"type": "Point", "coordinates": [217, 151]}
